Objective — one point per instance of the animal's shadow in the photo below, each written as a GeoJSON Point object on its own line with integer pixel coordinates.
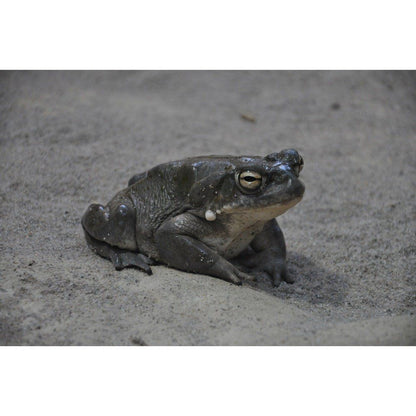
{"type": "Point", "coordinates": [312, 284]}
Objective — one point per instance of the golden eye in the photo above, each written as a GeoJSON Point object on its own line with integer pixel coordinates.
{"type": "Point", "coordinates": [250, 180]}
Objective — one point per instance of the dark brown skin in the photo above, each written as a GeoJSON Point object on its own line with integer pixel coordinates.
{"type": "Point", "coordinates": [212, 215]}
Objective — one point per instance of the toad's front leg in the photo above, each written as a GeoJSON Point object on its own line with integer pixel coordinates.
{"type": "Point", "coordinates": [178, 246]}
{"type": "Point", "coordinates": [268, 254]}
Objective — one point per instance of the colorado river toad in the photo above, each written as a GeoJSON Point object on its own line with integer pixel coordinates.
{"type": "Point", "coordinates": [213, 215]}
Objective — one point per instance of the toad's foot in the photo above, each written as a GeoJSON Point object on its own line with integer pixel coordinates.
{"type": "Point", "coordinates": [131, 259]}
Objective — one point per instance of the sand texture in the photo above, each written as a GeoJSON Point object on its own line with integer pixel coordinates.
{"type": "Point", "coordinates": [68, 139]}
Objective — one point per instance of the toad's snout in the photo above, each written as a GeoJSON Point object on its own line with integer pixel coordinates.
{"type": "Point", "coordinates": [288, 176]}
{"type": "Point", "coordinates": [295, 187]}
{"type": "Point", "coordinates": [288, 159]}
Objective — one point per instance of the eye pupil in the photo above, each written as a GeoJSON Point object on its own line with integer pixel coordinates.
{"type": "Point", "coordinates": [248, 180]}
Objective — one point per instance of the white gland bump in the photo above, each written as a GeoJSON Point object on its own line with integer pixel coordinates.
{"type": "Point", "coordinates": [210, 215]}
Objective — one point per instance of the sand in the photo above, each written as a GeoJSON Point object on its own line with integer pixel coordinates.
{"type": "Point", "coordinates": [72, 138]}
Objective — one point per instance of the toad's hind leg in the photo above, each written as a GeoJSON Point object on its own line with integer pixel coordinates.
{"type": "Point", "coordinates": [110, 232]}
{"type": "Point", "coordinates": [119, 257]}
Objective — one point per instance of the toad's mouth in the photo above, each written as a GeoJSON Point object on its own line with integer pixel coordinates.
{"type": "Point", "coordinates": [260, 212]}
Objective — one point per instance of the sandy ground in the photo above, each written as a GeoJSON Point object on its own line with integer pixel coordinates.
{"type": "Point", "coordinates": [71, 138]}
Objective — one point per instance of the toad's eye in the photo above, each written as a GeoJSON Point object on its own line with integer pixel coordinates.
{"type": "Point", "coordinates": [249, 180]}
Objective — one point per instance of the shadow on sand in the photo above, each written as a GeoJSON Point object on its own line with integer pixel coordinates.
{"type": "Point", "coordinates": [313, 284]}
